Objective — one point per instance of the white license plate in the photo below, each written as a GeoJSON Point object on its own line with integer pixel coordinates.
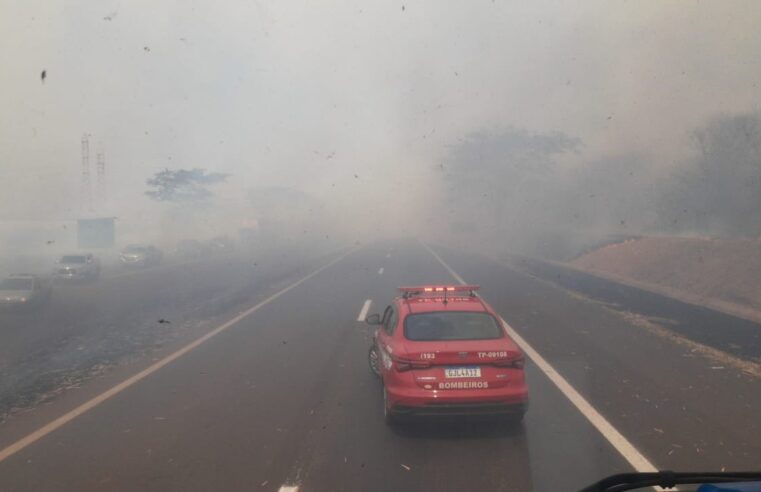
{"type": "Point", "coordinates": [462, 372]}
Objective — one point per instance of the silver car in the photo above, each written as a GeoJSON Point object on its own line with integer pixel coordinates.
{"type": "Point", "coordinates": [23, 291]}
{"type": "Point", "coordinates": [140, 256]}
{"type": "Point", "coordinates": [77, 267]}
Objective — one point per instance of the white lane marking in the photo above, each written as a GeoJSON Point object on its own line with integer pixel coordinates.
{"type": "Point", "coordinates": [94, 402]}
{"type": "Point", "coordinates": [364, 310]}
{"type": "Point", "coordinates": [613, 436]}
{"type": "Point", "coordinates": [388, 255]}
{"type": "Point", "coordinates": [380, 271]}
{"type": "Point", "coordinates": [288, 488]}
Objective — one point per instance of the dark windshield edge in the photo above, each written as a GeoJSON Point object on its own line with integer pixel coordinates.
{"type": "Point", "coordinates": [666, 479]}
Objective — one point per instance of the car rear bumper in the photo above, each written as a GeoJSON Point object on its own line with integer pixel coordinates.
{"type": "Point", "coordinates": [486, 402]}
{"type": "Point", "coordinates": [71, 276]}
{"type": "Point", "coordinates": [133, 262]}
{"type": "Point", "coordinates": [461, 409]}
{"type": "Point", "coordinates": [15, 305]}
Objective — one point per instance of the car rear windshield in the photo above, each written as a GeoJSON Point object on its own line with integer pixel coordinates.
{"type": "Point", "coordinates": [135, 249]}
{"type": "Point", "coordinates": [16, 284]}
{"type": "Point", "coordinates": [73, 259]}
{"type": "Point", "coordinates": [451, 326]}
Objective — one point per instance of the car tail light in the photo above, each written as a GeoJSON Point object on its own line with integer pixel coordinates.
{"type": "Point", "coordinates": [402, 364]}
{"type": "Point", "coordinates": [515, 362]}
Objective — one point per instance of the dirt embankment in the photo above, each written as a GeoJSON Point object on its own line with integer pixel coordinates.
{"type": "Point", "coordinates": [719, 273]}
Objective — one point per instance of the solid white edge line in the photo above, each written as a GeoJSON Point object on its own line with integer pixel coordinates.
{"type": "Point", "coordinates": [614, 437]}
{"type": "Point", "coordinates": [364, 310]}
{"type": "Point", "coordinates": [380, 271]}
{"type": "Point", "coordinates": [631, 454]}
{"type": "Point", "coordinates": [55, 424]}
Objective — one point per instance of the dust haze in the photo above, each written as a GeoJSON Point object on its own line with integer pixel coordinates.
{"type": "Point", "coordinates": [539, 127]}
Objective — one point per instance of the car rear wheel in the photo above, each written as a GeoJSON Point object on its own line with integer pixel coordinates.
{"type": "Point", "coordinates": [373, 358]}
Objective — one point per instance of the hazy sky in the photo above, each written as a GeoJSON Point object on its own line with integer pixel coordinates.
{"type": "Point", "coordinates": [310, 94]}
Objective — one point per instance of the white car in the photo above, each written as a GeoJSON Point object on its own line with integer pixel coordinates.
{"type": "Point", "coordinates": [140, 256]}
{"type": "Point", "coordinates": [23, 291]}
{"type": "Point", "coordinates": [77, 267]}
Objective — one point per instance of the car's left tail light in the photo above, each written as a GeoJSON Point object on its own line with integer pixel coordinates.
{"type": "Point", "coordinates": [401, 364]}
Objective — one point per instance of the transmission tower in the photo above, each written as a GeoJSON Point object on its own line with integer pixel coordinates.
{"type": "Point", "coordinates": [86, 195]}
{"type": "Point", "coordinates": [100, 170]}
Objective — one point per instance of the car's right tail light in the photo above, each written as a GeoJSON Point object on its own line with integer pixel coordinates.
{"type": "Point", "coordinates": [515, 362]}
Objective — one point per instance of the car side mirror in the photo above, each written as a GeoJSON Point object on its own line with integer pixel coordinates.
{"type": "Point", "coordinates": [373, 319]}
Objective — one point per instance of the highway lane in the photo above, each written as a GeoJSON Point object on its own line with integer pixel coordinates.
{"type": "Point", "coordinates": [688, 411]}
{"type": "Point", "coordinates": [362, 453]}
{"type": "Point", "coordinates": [285, 397]}
{"type": "Point", "coordinates": [92, 324]}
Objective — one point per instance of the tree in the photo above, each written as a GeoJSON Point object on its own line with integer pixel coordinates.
{"type": "Point", "coordinates": [499, 175]}
{"type": "Point", "coordinates": [719, 192]}
{"type": "Point", "coordinates": [183, 185]}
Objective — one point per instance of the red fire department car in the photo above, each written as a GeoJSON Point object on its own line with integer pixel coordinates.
{"type": "Point", "coordinates": [442, 350]}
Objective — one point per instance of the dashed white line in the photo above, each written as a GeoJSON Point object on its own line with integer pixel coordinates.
{"type": "Point", "coordinates": [635, 458]}
{"type": "Point", "coordinates": [43, 431]}
{"type": "Point", "coordinates": [364, 310]}
{"type": "Point", "coordinates": [288, 488]}
{"type": "Point", "coordinates": [380, 271]}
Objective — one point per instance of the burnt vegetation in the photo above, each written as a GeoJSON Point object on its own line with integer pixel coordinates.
{"type": "Point", "coordinates": [524, 192]}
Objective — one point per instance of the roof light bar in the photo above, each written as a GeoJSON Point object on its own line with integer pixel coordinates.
{"type": "Point", "coordinates": [434, 289]}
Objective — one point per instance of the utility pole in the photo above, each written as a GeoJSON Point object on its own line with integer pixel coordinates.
{"type": "Point", "coordinates": [100, 169]}
{"type": "Point", "coordinates": [86, 193]}
{"type": "Point", "coordinates": [86, 196]}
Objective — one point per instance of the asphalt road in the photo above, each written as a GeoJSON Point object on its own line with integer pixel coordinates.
{"type": "Point", "coordinates": [736, 336]}
{"type": "Point", "coordinates": [88, 326]}
{"type": "Point", "coordinates": [283, 397]}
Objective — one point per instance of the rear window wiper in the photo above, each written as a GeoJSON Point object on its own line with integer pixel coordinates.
{"type": "Point", "coordinates": [668, 479]}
